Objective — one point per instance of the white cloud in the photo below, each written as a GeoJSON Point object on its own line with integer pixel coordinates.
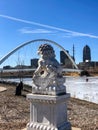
{"type": "Point", "coordinates": [77, 34]}
{"type": "Point", "coordinates": [35, 31]}
{"type": "Point", "coordinates": [69, 32]}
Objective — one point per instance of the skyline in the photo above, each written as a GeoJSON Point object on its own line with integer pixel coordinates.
{"type": "Point", "coordinates": [66, 22]}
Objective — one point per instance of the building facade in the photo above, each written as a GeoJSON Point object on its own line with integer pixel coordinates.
{"type": "Point", "coordinates": [88, 64]}
{"type": "Point", "coordinates": [86, 54]}
{"type": "Point", "coordinates": [34, 63]}
{"type": "Point", "coordinates": [64, 60]}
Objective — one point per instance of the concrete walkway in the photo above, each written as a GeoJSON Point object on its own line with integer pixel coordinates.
{"type": "Point", "coordinates": [2, 89]}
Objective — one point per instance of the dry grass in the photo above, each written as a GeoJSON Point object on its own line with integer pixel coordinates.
{"type": "Point", "coordinates": [14, 111]}
{"type": "Point", "coordinates": [83, 114]}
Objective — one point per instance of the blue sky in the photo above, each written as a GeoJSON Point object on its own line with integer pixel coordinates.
{"type": "Point", "coordinates": [66, 22]}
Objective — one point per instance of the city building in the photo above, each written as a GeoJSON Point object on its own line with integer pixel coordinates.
{"type": "Point", "coordinates": [88, 64]}
{"type": "Point", "coordinates": [63, 57]}
{"type": "Point", "coordinates": [64, 60]}
{"type": "Point", "coordinates": [86, 54]}
{"type": "Point", "coordinates": [34, 63]}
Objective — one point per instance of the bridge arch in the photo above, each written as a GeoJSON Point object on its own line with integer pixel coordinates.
{"type": "Point", "coordinates": [33, 41]}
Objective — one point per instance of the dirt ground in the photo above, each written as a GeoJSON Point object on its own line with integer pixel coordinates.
{"type": "Point", "coordinates": [14, 111]}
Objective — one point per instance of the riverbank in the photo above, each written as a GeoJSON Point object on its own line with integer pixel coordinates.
{"type": "Point", "coordinates": [14, 111]}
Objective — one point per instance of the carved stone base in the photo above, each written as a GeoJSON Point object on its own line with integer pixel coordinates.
{"type": "Point", "coordinates": [37, 126]}
{"type": "Point", "coordinates": [49, 86]}
{"type": "Point", "coordinates": [52, 90]}
{"type": "Point", "coordinates": [48, 112]}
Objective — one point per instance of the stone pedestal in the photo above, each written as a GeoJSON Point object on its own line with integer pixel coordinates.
{"type": "Point", "coordinates": [48, 112]}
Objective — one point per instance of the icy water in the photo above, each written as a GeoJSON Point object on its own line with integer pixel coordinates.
{"type": "Point", "coordinates": [78, 87]}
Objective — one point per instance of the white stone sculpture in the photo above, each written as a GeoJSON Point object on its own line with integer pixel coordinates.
{"type": "Point", "coordinates": [48, 100]}
{"type": "Point", "coordinates": [47, 78]}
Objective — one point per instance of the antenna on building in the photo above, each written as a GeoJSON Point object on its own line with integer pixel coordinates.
{"type": "Point", "coordinates": [73, 52]}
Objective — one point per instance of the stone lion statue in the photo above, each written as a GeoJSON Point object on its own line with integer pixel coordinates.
{"type": "Point", "coordinates": [49, 71]}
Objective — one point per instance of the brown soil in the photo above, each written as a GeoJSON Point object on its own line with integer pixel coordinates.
{"type": "Point", "coordinates": [14, 111]}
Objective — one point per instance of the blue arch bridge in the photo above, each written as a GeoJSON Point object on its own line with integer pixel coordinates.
{"type": "Point", "coordinates": [3, 59]}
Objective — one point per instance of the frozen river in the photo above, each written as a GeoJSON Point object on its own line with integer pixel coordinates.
{"type": "Point", "coordinates": [77, 87]}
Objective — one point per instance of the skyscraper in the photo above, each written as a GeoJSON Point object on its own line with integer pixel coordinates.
{"type": "Point", "coordinates": [64, 60]}
{"type": "Point", "coordinates": [86, 54]}
{"type": "Point", "coordinates": [63, 57]}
